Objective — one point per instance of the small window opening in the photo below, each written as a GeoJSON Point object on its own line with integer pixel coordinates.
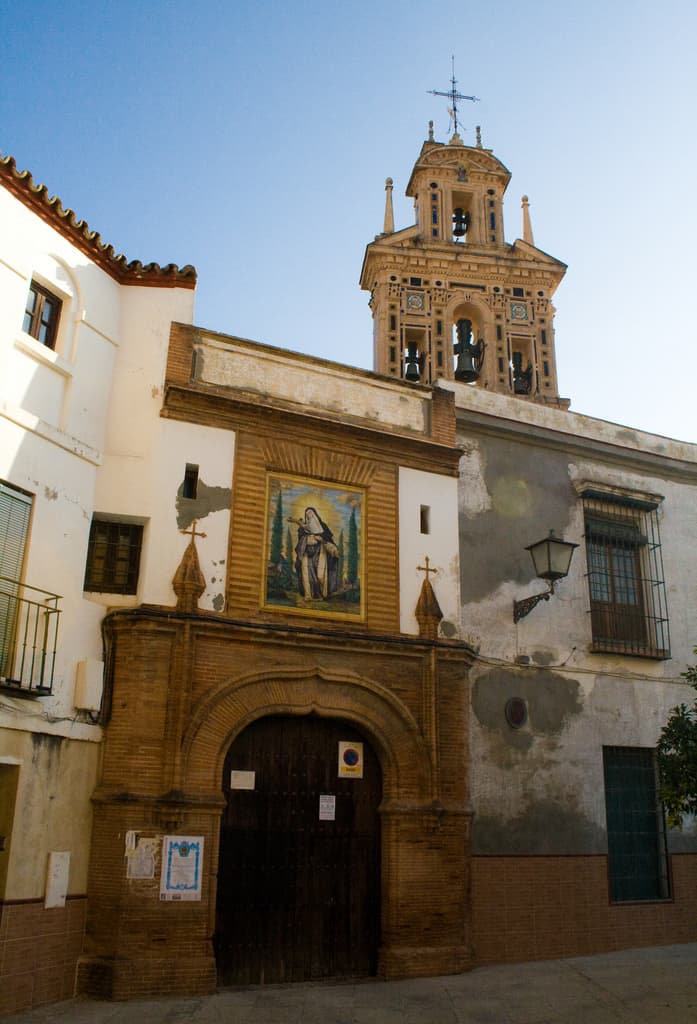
{"type": "Point", "coordinates": [41, 315]}
{"type": "Point", "coordinates": [425, 518]}
{"type": "Point", "coordinates": [190, 485]}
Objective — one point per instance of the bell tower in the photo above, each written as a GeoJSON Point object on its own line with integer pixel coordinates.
{"type": "Point", "coordinates": [450, 297]}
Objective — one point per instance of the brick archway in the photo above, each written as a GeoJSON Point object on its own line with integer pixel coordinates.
{"type": "Point", "coordinates": [401, 748]}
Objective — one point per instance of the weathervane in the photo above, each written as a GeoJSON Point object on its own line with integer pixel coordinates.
{"type": "Point", "coordinates": [453, 96]}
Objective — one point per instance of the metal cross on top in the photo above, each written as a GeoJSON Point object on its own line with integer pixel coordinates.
{"type": "Point", "coordinates": [193, 531]}
{"type": "Point", "coordinates": [426, 568]}
{"type": "Point", "coordinates": [453, 96]}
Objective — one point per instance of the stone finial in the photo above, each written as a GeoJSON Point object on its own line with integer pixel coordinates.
{"type": "Point", "coordinates": [430, 131]}
{"type": "Point", "coordinates": [388, 227]}
{"type": "Point", "coordinates": [189, 582]}
{"type": "Point", "coordinates": [456, 140]}
{"type": "Point", "coordinates": [527, 226]}
{"type": "Point", "coordinates": [428, 613]}
{"type": "Point", "coordinates": [479, 136]}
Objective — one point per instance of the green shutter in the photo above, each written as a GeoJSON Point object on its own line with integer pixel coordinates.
{"type": "Point", "coordinates": [15, 510]}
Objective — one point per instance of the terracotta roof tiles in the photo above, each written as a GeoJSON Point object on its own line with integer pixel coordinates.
{"type": "Point", "coordinates": [49, 208]}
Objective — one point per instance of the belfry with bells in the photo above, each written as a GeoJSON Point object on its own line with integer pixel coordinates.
{"type": "Point", "coordinates": [450, 297]}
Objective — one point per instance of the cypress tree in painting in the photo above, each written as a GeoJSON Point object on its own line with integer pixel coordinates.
{"type": "Point", "coordinates": [277, 533]}
{"type": "Point", "coordinates": [352, 553]}
{"type": "Point", "coordinates": [289, 547]}
{"type": "Point", "coordinates": [340, 569]}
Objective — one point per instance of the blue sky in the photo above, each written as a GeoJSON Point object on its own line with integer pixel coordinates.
{"type": "Point", "coordinates": [253, 140]}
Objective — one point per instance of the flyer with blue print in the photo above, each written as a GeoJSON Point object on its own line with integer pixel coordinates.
{"type": "Point", "coordinates": [182, 863]}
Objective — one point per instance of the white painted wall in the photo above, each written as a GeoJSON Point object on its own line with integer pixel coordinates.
{"type": "Point", "coordinates": [55, 412]}
{"type": "Point", "coordinates": [440, 545]}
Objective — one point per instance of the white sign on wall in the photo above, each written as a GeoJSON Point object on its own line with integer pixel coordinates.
{"type": "Point", "coordinates": [57, 878]}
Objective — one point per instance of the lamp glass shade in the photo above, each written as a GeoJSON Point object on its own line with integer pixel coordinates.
{"type": "Point", "coordinates": [551, 557]}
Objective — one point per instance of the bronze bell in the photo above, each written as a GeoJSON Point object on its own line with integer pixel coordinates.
{"type": "Point", "coordinates": [461, 222]}
{"type": "Point", "coordinates": [469, 355]}
{"type": "Point", "coordinates": [412, 368]}
{"type": "Point", "coordinates": [465, 369]}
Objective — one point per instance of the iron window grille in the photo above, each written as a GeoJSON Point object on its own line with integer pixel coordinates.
{"type": "Point", "coordinates": [636, 835]}
{"type": "Point", "coordinates": [628, 608]}
{"type": "Point", "coordinates": [41, 315]}
{"type": "Point", "coordinates": [113, 557]}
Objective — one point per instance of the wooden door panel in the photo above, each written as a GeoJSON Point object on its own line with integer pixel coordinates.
{"type": "Point", "coordinates": [298, 898]}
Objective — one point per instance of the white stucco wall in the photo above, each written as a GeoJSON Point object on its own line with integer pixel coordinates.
{"type": "Point", "coordinates": [54, 410]}
{"type": "Point", "coordinates": [541, 789]}
{"type": "Point", "coordinates": [439, 494]}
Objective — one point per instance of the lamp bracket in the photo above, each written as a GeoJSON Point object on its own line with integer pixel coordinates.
{"type": "Point", "coordinates": [524, 607]}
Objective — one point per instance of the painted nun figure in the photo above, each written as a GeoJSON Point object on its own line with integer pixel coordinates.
{"type": "Point", "coordinates": [316, 557]}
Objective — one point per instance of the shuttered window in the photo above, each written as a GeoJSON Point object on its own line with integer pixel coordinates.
{"type": "Point", "coordinates": [637, 862]}
{"type": "Point", "coordinates": [15, 512]}
{"type": "Point", "coordinates": [625, 576]}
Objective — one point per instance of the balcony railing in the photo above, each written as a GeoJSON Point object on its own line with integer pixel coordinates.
{"type": "Point", "coordinates": [28, 637]}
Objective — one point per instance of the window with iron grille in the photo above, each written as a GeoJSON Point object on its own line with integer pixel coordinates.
{"type": "Point", "coordinates": [636, 842]}
{"type": "Point", "coordinates": [41, 315]}
{"type": "Point", "coordinates": [113, 557]}
{"type": "Point", "coordinates": [627, 592]}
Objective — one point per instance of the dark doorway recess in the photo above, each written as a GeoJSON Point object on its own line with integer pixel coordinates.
{"type": "Point", "coordinates": [298, 897]}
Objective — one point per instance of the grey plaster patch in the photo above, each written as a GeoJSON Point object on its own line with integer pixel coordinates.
{"type": "Point", "coordinates": [552, 826]}
{"type": "Point", "coordinates": [50, 494]}
{"type": "Point", "coordinates": [448, 629]}
{"type": "Point", "coordinates": [551, 698]}
{"type": "Point", "coordinates": [682, 840]}
{"type": "Point", "coordinates": [219, 602]}
{"type": "Point", "coordinates": [543, 658]}
{"type": "Point", "coordinates": [531, 493]}
{"type": "Point", "coordinates": [207, 500]}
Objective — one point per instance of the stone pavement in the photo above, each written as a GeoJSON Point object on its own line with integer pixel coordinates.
{"type": "Point", "coordinates": [657, 985]}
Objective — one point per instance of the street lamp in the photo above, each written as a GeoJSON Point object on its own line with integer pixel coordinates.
{"type": "Point", "coordinates": [551, 558]}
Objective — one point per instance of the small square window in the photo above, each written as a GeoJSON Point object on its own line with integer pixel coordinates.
{"type": "Point", "coordinates": [41, 315]}
{"type": "Point", "coordinates": [113, 557]}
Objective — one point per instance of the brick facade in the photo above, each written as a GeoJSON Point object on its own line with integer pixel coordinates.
{"type": "Point", "coordinates": [39, 949]}
{"type": "Point", "coordinates": [183, 688]}
{"type": "Point", "coordinates": [541, 908]}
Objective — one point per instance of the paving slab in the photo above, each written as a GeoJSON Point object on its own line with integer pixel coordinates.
{"type": "Point", "coordinates": [656, 985]}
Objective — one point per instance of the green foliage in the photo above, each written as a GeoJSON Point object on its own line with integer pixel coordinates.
{"type": "Point", "coordinates": [277, 533]}
{"type": "Point", "coordinates": [289, 547]}
{"type": "Point", "coordinates": [677, 759]}
{"type": "Point", "coordinates": [352, 553]}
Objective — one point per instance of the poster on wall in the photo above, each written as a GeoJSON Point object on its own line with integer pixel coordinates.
{"type": "Point", "coordinates": [314, 548]}
{"type": "Point", "coordinates": [182, 863]}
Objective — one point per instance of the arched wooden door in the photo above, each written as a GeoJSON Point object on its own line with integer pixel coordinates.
{"type": "Point", "coordinates": [299, 866]}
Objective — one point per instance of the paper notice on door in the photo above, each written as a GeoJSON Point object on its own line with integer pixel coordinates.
{"type": "Point", "coordinates": [327, 807]}
{"type": "Point", "coordinates": [242, 780]}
